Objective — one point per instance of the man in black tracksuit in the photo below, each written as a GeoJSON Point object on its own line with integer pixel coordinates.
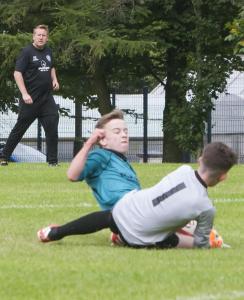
{"type": "Point", "coordinates": [35, 77]}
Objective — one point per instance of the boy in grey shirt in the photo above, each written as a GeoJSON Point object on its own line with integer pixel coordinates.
{"type": "Point", "coordinates": [151, 217]}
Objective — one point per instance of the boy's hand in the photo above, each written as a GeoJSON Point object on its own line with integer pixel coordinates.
{"type": "Point", "coordinates": [96, 136]}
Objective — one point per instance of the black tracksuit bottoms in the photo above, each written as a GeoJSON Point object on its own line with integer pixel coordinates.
{"type": "Point", "coordinates": [47, 113]}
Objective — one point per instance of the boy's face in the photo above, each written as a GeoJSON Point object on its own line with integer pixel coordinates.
{"type": "Point", "coordinates": [116, 136]}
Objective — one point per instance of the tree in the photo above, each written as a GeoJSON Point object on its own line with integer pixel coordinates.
{"type": "Point", "coordinates": [120, 43]}
{"type": "Point", "coordinates": [17, 18]}
{"type": "Point", "coordinates": [88, 39]}
{"type": "Point", "coordinates": [236, 33]}
{"type": "Point", "coordinates": [198, 61]}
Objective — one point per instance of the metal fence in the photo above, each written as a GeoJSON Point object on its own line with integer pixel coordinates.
{"type": "Point", "coordinates": [146, 137]}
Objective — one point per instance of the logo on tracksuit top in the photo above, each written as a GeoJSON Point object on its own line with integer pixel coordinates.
{"type": "Point", "coordinates": [43, 67]}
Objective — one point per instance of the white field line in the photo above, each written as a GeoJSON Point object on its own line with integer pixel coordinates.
{"type": "Point", "coordinates": [86, 204]}
{"type": "Point", "coordinates": [46, 205]}
{"type": "Point", "coordinates": [228, 200]}
{"type": "Point", "coordinates": [218, 296]}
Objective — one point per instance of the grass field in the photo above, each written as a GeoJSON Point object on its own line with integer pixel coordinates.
{"type": "Point", "coordinates": [87, 267]}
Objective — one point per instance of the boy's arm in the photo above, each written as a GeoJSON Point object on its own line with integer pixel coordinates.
{"type": "Point", "coordinates": [78, 163]}
{"type": "Point", "coordinates": [203, 229]}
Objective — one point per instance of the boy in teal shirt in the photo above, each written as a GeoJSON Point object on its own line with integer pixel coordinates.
{"type": "Point", "coordinates": [106, 169]}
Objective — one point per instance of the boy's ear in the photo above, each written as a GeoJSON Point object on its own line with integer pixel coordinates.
{"type": "Point", "coordinates": [102, 142]}
{"type": "Point", "coordinates": [223, 177]}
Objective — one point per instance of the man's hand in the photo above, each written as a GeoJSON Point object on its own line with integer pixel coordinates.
{"type": "Point", "coordinates": [27, 99]}
{"type": "Point", "coordinates": [55, 85]}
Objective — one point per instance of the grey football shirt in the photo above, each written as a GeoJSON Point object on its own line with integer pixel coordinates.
{"type": "Point", "coordinates": [150, 215]}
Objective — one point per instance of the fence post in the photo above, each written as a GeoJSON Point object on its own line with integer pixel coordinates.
{"type": "Point", "coordinates": [39, 136]}
{"type": "Point", "coordinates": [145, 124]}
{"type": "Point", "coordinates": [113, 99]}
{"type": "Point", "coordinates": [209, 127]}
{"type": "Point", "coordinates": [78, 142]}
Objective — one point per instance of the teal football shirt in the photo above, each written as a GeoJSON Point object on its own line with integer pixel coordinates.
{"type": "Point", "coordinates": [110, 176]}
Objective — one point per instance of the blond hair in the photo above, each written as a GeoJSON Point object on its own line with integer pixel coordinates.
{"type": "Point", "coordinates": [42, 26]}
{"type": "Point", "coordinates": [115, 114]}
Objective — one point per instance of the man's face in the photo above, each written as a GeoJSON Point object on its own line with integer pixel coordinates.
{"type": "Point", "coordinates": [40, 38]}
{"type": "Point", "coordinates": [116, 136]}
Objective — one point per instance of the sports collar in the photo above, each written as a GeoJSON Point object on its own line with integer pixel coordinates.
{"type": "Point", "coordinates": [118, 154]}
{"type": "Point", "coordinates": [200, 180]}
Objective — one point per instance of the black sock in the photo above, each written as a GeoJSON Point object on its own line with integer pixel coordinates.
{"type": "Point", "coordinates": [87, 224]}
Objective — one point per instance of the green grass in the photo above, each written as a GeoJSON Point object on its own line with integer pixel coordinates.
{"type": "Point", "coordinates": [87, 267]}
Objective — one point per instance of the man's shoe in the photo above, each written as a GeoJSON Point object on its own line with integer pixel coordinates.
{"type": "Point", "coordinates": [43, 233]}
{"type": "Point", "coordinates": [53, 164]}
{"type": "Point", "coordinates": [3, 162]}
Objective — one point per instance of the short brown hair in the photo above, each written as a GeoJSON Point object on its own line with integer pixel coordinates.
{"type": "Point", "coordinates": [218, 158]}
{"type": "Point", "coordinates": [42, 26]}
{"type": "Point", "coordinates": [115, 114]}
